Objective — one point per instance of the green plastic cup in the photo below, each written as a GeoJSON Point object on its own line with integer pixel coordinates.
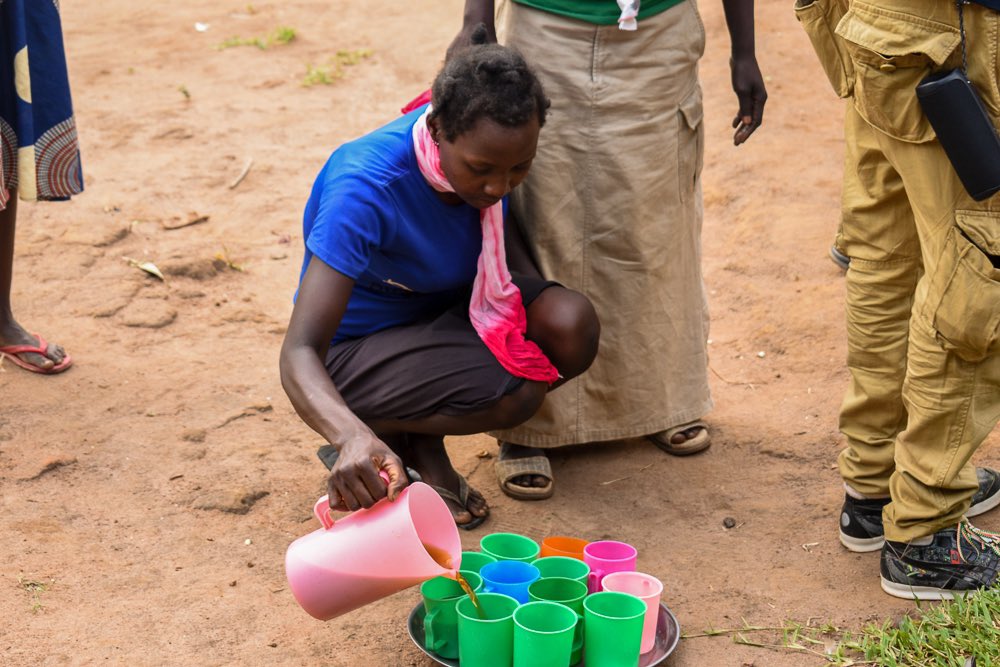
{"type": "Point", "coordinates": [543, 634]}
{"type": "Point", "coordinates": [568, 592]}
{"type": "Point", "coordinates": [510, 546]}
{"type": "Point", "coordinates": [440, 618]}
{"type": "Point", "coordinates": [473, 561]}
{"type": "Point", "coordinates": [561, 566]}
{"type": "Point", "coordinates": [486, 642]}
{"type": "Point", "coordinates": [612, 629]}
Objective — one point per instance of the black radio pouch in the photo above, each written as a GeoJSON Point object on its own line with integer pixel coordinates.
{"type": "Point", "coordinates": [964, 129]}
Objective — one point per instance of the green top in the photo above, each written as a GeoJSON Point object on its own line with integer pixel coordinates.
{"type": "Point", "coordinates": [601, 12]}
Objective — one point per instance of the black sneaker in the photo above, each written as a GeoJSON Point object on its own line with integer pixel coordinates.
{"type": "Point", "coordinates": [960, 559]}
{"type": "Point", "coordinates": [861, 520]}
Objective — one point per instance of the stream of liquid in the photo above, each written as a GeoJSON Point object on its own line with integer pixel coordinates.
{"type": "Point", "coordinates": [471, 593]}
{"type": "Point", "coordinates": [443, 558]}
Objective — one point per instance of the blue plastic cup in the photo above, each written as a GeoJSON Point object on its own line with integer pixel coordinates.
{"type": "Point", "coordinates": [509, 577]}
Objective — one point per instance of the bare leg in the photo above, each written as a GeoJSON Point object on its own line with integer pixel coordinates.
{"type": "Point", "coordinates": [12, 333]}
{"type": "Point", "coordinates": [511, 410]}
{"type": "Point", "coordinates": [420, 443]}
{"type": "Point", "coordinates": [563, 323]}
{"type": "Point", "coordinates": [428, 457]}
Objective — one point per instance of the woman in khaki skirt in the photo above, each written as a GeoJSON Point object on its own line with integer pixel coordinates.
{"type": "Point", "coordinates": [612, 209]}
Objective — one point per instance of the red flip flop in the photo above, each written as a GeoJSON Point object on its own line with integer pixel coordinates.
{"type": "Point", "coordinates": [11, 352]}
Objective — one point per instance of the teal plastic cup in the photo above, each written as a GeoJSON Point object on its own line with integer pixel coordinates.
{"type": "Point", "coordinates": [567, 592]}
{"type": "Point", "coordinates": [612, 629]}
{"type": "Point", "coordinates": [487, 640]}
{"type": "Point", "coordinates": [543, 635]}
{"type": "Point", "coordinates": [440, 618]}
{"type": "Point", "coordinates": [561, 566]}
{"type": "Point", "coordinates": [510, 546]}
{"type": "Point", "coordinates": [473, 561]}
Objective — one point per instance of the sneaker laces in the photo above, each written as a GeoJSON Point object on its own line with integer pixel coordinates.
{"type": "Point", "coordinates": [979, 539]}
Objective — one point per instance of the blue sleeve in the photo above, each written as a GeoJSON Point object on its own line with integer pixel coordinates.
{"type": "Point", "coordinates": [351, 222]}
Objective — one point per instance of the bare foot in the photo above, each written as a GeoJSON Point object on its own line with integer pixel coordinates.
{"type": "Point", "coordinates": [13, 333]}
{"type": "Point", "coordinates": [428, 457]}
{"type": "Point", "coordinates": [681, 437]}
{"type": "Point", "coordinates": [511, 451]}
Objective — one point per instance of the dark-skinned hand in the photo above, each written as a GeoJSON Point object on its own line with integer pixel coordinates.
{"type": "Point", "coordinates": [354, 480]}
{"type": "Point", "coordinates": [748, 84]}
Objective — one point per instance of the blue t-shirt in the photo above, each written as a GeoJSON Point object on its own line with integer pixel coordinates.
{"type": "Point", "coordinates": [373, 217]}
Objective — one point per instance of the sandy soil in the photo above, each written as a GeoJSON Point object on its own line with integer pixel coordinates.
{"type": "Point", "coordinates": [149, 494]}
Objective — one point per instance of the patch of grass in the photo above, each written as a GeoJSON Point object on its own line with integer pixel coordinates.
{"type": "Point", "coordinates": [280, 35]}
{"type": "Point", "coordinates": [319, 75]}
{"type": "Point", "coordinates": [945, 634]}
{"type": "Point", "coordinates": [334, 67]}
{"type": "Point", "coordinates": [224, 257]}
{"type": "Point", "coordinates": [34, 588]}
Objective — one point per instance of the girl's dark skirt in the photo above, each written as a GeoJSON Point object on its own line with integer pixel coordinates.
{"type": "Point", "coordinates": [435, 366]}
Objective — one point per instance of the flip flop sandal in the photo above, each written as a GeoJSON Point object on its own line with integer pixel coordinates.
{"type": "Point", "coordinates": [508, 469]}
{"type": "Point", "coordinates": [11, 352]}
{"type": "Point", "coordinates": [698, 443]}
{"type": "Point", "coordinates": [462, 500]}
{"type": "Point", "coordinates": [328, 454]}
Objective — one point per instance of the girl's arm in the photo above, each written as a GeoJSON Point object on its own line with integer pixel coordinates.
{"type": "Point", "coordinates": [476, 12]}
{"type": "Point", "coordinates": [354, 481]}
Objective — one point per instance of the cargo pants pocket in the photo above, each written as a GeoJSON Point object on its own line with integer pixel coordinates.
{"type": "Point", "coordinates": [892, 52]}
{"type": "Point", "coordinates": [819, 19]}
{"type": "Point", "coordinates": [690, 143]}
{"type": "Point", "coordinates": [964, 293]}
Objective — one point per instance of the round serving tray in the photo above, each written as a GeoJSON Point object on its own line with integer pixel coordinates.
{"type": "Point", "coordinates": [668, 633]}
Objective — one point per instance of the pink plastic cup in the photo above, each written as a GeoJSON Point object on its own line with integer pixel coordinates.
{"type": "Point", "coordinates": [648, 589]}
{"type": "Point", "coordinates": [605, 557]}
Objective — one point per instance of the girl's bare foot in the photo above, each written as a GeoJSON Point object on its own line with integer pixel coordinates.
{"type": "Point", "coordinates": [428, 457]}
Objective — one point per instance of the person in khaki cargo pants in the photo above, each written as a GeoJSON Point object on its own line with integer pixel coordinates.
{"type": "Point", "coordinates": [923, 296]}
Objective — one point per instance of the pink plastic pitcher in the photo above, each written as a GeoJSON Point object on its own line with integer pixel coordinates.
{"type": "Point", "coordinates": [372, 553]}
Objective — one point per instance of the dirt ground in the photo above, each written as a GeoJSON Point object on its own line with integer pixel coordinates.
{"type": "Point", "coordinates": [149, 493]}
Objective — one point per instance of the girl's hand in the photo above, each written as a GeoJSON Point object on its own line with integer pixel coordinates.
{"type": "Point", "coordinates": [354, 481]}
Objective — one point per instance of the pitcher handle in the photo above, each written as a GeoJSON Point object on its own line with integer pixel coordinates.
{"type": "Point", "coordinates": [322, 507]}
{"type": "Point", "coordinates": [322, 511]}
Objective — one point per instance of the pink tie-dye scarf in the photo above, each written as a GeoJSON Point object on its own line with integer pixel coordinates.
{"type": "Point", "coordinates": [496, 310]}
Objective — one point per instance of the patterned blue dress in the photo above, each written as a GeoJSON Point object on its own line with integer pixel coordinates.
{"type": "Point", "coordinates": [38, 142]}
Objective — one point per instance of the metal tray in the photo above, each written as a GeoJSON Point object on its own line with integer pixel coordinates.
{"type": "Point", "coordinates": [668, 633]}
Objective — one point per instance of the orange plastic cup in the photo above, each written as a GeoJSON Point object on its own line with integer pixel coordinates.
{"type": "Point", "coordinates": [560, 545]}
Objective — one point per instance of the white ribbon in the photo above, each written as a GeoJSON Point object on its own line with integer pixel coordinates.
{"type": "Point", "coordinates": [630, 10]}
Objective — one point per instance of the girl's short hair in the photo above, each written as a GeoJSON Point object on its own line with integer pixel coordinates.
{"type": "Point", "coordinates": [486, 81]}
